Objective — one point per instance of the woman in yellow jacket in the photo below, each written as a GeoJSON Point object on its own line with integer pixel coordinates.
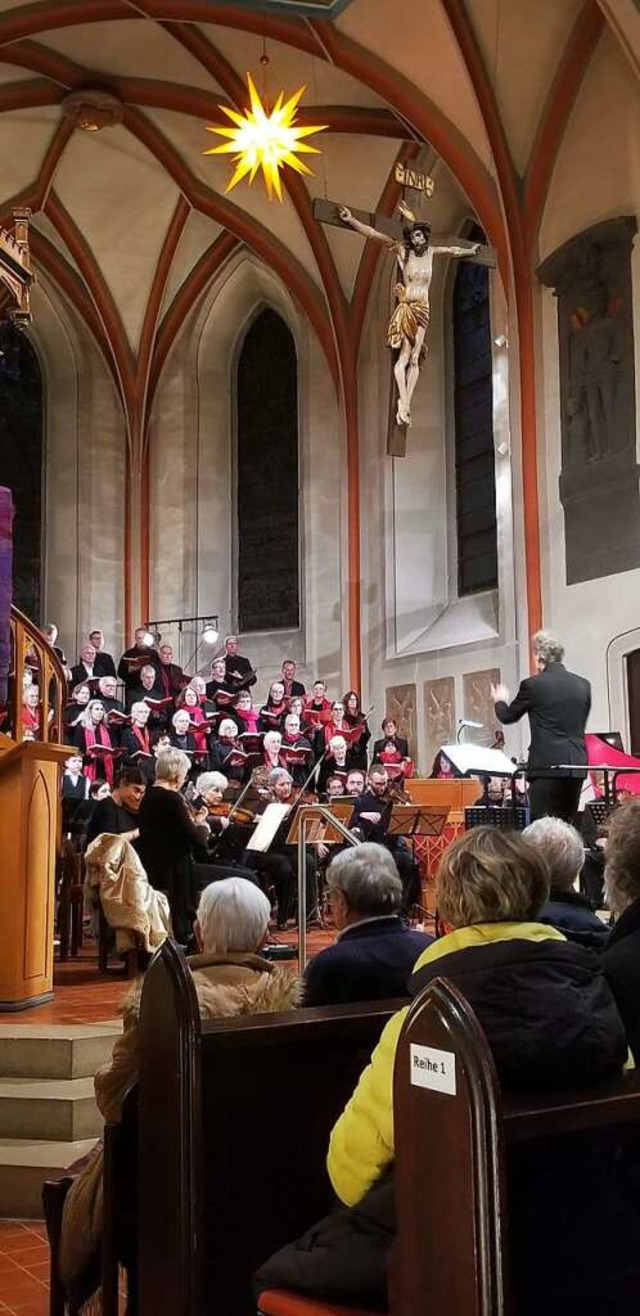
{"type": "Point", "coordinates": [543, 1002]}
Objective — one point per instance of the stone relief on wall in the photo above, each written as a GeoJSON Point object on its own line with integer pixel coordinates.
{"type": "Point", "coordinates": [400, 704]}
{"type": "Point", "coordinates": [478, 704]}
{"type": "Point", "coordinates": [591, 277]}
{"type": "Point", "coordinates": [439, 716]}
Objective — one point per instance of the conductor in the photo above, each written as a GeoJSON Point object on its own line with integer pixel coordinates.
{"type": "Point", "coordinates": [557, 703]}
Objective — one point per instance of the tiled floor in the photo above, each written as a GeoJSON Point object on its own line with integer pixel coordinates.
{"type": "Point", "coordinates": [24, 1269]}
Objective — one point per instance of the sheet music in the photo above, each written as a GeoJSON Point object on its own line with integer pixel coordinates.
{"type": "Point", "coordinates": [475, 758]}
{"type": "Point", "coordinates": [267, 827]}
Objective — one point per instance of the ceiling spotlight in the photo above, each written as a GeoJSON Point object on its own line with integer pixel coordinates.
{"type": "Point", "coordinates": [149, 639]}
{"type": "Point", "coordinates": [210, 632]}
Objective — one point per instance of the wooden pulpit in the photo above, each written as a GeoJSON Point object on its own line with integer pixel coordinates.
{"type": "Point", "coordinates": [29, 826]}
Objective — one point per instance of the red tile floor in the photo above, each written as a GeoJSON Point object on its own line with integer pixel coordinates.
{"type": "Point", "coordinates": [82, 996]}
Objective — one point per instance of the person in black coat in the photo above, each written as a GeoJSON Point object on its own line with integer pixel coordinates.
{"type": "Point", "coordinates": [391, 745]}
{"type": "Point", "coordinates": [566, 909]}
{"type": "Point", "coordinates": [621, 957]}
{"type": "Point", "coordinates": [557, 704]}
{"type": "Point", "coordinates": [134, 659]}
{"type": "Point", "coordinates": [375, 953]}
{"type": "Point", "coordinates": [293, 689]}
{"type": "Point", "coordinates": [239, 672]}
{"type": "Point", "coordinates": [118, 813]}
{"type": "Point", "coordinates": [90, 667]}
{"type": "Point", "coordinates": [168, 834]}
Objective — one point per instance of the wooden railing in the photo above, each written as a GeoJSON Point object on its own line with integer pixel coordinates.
{"type": "Point", "coordinates": [30, 650]}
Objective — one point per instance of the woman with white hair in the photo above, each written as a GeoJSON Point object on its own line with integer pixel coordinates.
{"type": "Point", "coordinates": [566, 909]}
{"type": "Point", "coordinates": [231, 978]}
{"type": "Point", "coordinates": [168, 834]}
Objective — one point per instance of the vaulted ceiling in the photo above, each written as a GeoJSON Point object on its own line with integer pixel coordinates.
{"type": "Point", "coordinates": [132, 222]}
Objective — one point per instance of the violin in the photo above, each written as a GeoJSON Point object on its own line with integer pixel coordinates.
{"type": "Point", "coordinates": [225, 809]}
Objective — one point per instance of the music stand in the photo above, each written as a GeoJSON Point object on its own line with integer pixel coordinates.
{"type": "Point", "coordinates": [411, 820]}
{"type": "Point", "coordinates": [335, 830]}
{"type": "Point", "coordinates": [508, 818]}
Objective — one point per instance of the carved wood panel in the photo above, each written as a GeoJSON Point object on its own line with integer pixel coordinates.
{"type": "Point", "coordinates": [439, 716]}
{"type": "Point", "coordinates": [400, 704]}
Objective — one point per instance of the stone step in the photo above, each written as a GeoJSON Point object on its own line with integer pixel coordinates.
{"type": "Point", "coordinates": [24, 1166]}
{"type": "Point", "coordinates": [62, 1051]}
{"type": "Point", "coordinates": [51, 1109]}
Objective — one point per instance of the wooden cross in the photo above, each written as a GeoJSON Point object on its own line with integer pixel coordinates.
{"type": "Point", "coordinates": [328, 212]}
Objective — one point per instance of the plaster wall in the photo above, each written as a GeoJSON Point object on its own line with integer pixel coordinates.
{"type": "Point", "coordinates": [83, 531]}
{"type": "Point", "coordinates": [597, 177]}
{"type": "Point", "coordinates": [192, 480]}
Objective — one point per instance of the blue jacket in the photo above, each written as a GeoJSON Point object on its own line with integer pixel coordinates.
{"type": "Point", "coordinates": [571, 913]}
{"type": "Point", "coordinates": [371, 962]}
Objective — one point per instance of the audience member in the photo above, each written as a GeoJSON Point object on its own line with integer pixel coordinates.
{"type": "Point", "coordinates": [551, 1021]}
{"type": "Point", "coordinates": [621, 956]}
{"type": "Point", "coordinates": [230, 978]}
{"type": "Point", "coordinates": [566, 909]}
{"type": "Point", "coordinates": [374, 953]}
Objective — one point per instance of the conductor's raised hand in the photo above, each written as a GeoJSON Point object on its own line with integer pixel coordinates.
{"type": "Point", "coordinates": [500, 694]}
{"type": "Point", "coordinates": [345, 214]}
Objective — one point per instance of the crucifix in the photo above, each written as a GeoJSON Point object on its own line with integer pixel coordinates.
{"type": "Point", "coordinates": [414, 247]}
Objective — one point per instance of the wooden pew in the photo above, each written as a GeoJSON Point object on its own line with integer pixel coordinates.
{"type": "Point", "coordinates": [234, 1117]}
{"type": "Point", "coordinates": [454, 1133]}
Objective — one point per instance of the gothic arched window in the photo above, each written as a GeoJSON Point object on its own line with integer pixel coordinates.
{"type": "Point", "coordinates": [267, 478]}
{"type": "Point", "coordinates": [21, 443]}
{"type": "Point", "coordinates": [473, 399]}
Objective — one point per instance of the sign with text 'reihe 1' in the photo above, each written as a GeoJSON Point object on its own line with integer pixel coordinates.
{"type": "Point", "coordinates": [431, 1068]}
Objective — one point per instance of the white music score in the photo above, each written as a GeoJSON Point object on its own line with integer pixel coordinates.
{"type": "Point", "coordinates": [431, 1068]}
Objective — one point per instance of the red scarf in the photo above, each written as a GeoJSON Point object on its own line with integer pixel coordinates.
{"type": "Point", "coordinates": [98, 736]}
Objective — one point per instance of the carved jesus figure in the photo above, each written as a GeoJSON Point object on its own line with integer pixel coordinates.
{"type": "Point", "coordinates": [410, 319]}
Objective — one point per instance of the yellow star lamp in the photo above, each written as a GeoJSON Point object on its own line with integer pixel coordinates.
{"type": "Point", "coordinates": [260, 140]}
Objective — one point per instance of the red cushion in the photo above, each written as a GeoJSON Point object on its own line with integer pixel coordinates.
{"type": "Point", "coordinates": [278, 1303]}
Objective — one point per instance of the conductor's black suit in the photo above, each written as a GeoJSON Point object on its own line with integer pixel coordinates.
{"type": "Point", "coordinates": [557, 703]}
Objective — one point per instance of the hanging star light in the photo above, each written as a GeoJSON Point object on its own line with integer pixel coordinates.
{"type": "Point", "coordinates": [266, 141]}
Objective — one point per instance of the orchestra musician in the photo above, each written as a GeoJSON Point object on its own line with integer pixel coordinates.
{"type": "Point", "coordinates": [335, 787]}
{"type": "Point", "coordinates": [133, 660]}
{"type": "Point", "coordinates": [358, 726]}
{"type": "Point", "coordinates": [90, 736]}
{"type": "Point", "coordinates": [238, 669]}
{"type": "Point", "coordinates": [355, 781]}
{"type": "Point", "coordinates": [273, 713]}
{"type": "Point", "coordinates": [279, 864]}
{"type": "Point", "coordinates": [370, 820]}
{"type": "Point", "coordinates": [291, 686]}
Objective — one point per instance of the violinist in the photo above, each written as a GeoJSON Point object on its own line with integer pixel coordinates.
{"type": "Point", "coordinates": [279, 864]}
{"type": "Point", "coordinates": [230, 827]}
{"type": "Point", "coordinates": [370, 820]}
{"type": "Point", "coordinates": [210, 787]}
{"type": "Point", "coordinates": [273, 713]}
{"type": "Point", "coordinates": [334, 788]}
{"type": "Point", "coordinates": [358, 727]}
{"type": "Point", "coordinates": [296, 752]}
{"type": "Point", "coordinates": [355, 782]}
